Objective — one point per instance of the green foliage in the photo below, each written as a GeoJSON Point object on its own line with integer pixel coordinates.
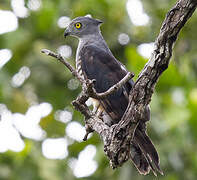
{"type": "Point", "coordinates": [173, 126]}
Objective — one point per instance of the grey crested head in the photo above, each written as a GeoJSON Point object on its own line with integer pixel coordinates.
{"type": "Point", "coordinates": [82, 26]}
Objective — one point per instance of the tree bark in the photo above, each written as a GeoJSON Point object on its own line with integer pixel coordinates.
{"type": "Point", "coordinates": [140, 95]}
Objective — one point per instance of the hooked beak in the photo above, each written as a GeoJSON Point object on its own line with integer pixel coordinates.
{"type": "Point", "coordinates": [66, 33]}
{"type": "Point", "coordinates": [99, 21]}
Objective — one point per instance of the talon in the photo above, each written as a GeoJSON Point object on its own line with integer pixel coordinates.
{"type": "Point", "coordinates": [88, 131]}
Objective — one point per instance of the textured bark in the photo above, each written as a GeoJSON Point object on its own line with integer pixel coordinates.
{"type": "Point", "coordinates": [117, 138]}
{"type": "Point", "coordinates": [141, 94]}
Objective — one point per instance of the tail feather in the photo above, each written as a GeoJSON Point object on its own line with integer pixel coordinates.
{"type": "Point", "coordinates": [139, 160]}
{"type": "Point", "coordinates": [143, 153]}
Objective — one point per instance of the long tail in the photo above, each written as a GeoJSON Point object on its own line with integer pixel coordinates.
{"type": "Point", "coordinates": [143, 153]}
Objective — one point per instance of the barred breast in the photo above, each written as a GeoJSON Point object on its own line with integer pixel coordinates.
{"type": "Point", "coordinates": [97, 108]}
{"type": "Point", "coordinates": [79, 69]}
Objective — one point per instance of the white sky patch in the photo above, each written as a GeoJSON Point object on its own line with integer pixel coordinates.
{"type": "Point", "coordinates": [136, 13]}
{"type": "Point", "coordinates": [75, 131]}
{"type": "Point", "coordinates": [65, 51]}
{"type": "Point", "coordinates": [19, 78]}
{"type": "Point", "coordinates": [27, 128]}
{"type": "Point", "coordinates": [5, 56]}
{"type": "Point", "coordinates": [73, 84]}
{"type": "Point", "coordinates": [85, 165]}
{"type": "Point", "coordinates": [89, 102]}
{"type": "Point", "coordinates": [63, 116]}
{"type": "Point", "coordinates": [178, 96]}
{"type": "Point", "coordinates": [9, 136]}
{"type": "Point", "coordinates": [3, 108]}
{"type": "Point", "coordinates": [8, 21]}
{"type": "Point", "coordinates": [146, 49]}
{"type": "Point", "coordinates": [55, 148]}
{"type": "Point", "coordinates": [63, 21]}
{"type": "Point", "coordinates": [176, 161]}
{"type": "Point", "coordinates": [41, 110]}
{"type": "Point", "coordinates": [30, 94]}
{"type": "Point", "coordinates": [19, 8]}
{"type": "Point", "coordinates": [123, 38]}
{"type": "Point", "coordinates": [28, 124]}
{"type": "Point", "coordinates": [72, 163]}
{"type": "Point", "coordinates": [34, 5]}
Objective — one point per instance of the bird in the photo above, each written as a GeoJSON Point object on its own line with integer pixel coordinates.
{"type": "Point", "coordinates": [95, 61]}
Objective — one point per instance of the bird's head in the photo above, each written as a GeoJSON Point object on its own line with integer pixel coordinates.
{"type": "Point", "coordinates": [82, 26]}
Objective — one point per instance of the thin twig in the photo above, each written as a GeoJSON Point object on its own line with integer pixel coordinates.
{"type": "Point", "coordinates": [114, 88]}
{"type": "Point", "coordinates": [63, 61]}
{"type": "Point", "coordinates": [89, 84]}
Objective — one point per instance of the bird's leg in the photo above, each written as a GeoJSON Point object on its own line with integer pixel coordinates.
{"type": "Point", "coordinates": [99, 111]}
{"type": "Point", "coordinates": [97, 108]}
{"type": "Point", "coordinates": [95, 104]}
{"type": "Point", "coordinates": [88, 131]}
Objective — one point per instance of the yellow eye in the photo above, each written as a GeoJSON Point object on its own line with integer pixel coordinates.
{"type": "Point", "coordinates": [78, 25]}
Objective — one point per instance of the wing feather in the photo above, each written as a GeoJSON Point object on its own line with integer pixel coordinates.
{"type": "Point", "coordinates": [107, 71]}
